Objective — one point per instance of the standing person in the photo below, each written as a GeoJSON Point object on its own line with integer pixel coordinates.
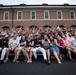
{"type": "Point", "coordinates": [46, 46]}
{"type": "Point", "coordinates": [54, 48]}
{"type": "Point", "coordinates": [13, 45]}
{"type": "Point", "coordinates": [3, 46]}
{"type": "Point", "coordinates": [38, 47]}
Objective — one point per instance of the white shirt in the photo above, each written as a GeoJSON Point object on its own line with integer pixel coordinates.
{"type": "Point", "coordinates": [13, 42]}
{"type": "Point", "coordinates": [18, 38]}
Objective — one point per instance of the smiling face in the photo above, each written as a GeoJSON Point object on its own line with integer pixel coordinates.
{"type": "Point", "coordinates": [58, 37]}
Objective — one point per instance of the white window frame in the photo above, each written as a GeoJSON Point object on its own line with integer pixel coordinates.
{"type": "Point", "coordinates": [4, 15]}
{"type": "Point", "coordinates": [70, 14]}
{"type": "Point", "coordinates": [48, 14]}
{"type": "Point", "coordinates": [31, 15]}
{"type": "Point", "coordinates": [21, 16]}
{"type": "Point", "coordinates": [61, 15]}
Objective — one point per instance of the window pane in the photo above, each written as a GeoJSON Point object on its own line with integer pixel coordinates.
{"type": "Point", "coordinates": [72, 15]}
{"type": "Point", "coordinates": [46, 15]}
{"type": "Point", "coordinates": [6, 15]}
{"type": "Point", "coordinates": [19, 15]}
{"type": "Point", "coordinates": [33, 15]}
{"type": "Point", "coordinates": [59, 15]}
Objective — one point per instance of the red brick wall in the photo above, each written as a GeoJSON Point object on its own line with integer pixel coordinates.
{"type": "Point", "coordinates": [39, 15]}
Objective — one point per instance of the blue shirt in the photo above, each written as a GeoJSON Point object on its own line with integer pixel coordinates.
{"type": "Point", "coordinates": [73, 42]}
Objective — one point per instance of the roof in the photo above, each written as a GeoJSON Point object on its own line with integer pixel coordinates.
{"type": "Point", "coordinates": [38, 6]}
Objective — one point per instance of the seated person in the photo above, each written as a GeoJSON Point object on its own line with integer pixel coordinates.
{"type": "Point", "coordinates": [68, 46]}
{"type": "Point", "coordinates": [29, 43]}
{"type": "Point", "coordinates": [46, 46]}
{"type": "Point", "coordinates": [3, 46]}
{"type": "Point", "coordinates": [38, 47]}
{"type": "Point", "coordinates": [73, 43]}
{"type": "Point", "coordinates": [54, 48]}
{"type": "Point", "coordinates": [22, 42]}
{"type": "Point", "coordinates": [13, 45]}
{"type": "Point", "coordinates": [63, 50]}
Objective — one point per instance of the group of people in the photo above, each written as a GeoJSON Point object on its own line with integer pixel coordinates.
{"type": "Point", "coordinates": [59, 41]}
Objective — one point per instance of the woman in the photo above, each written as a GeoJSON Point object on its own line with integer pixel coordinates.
{"type": "Point", "coordinates": [67, 44]}
{"type": "Point", "coordinates": [28, 48]}
{"type": "Point", "coordinates": [54, 48]}
{"type": "Point", "coordinates": [22, 42]}
{"type": "Point", "coordinates": [46, 46]}
{"type": "Point", "coordinates": [63, 50]}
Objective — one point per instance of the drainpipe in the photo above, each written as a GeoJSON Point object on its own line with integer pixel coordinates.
{"type": "Point", "coordinates": [12, 16]}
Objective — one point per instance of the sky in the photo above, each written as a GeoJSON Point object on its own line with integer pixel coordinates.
{"type": "Point", "coordinates": [17, 2]}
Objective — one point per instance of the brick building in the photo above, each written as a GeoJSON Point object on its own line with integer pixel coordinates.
{"type": "Point", "coordinates": [37, 15]}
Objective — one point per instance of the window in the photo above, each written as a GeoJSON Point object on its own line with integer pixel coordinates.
{"type": "Point", "coordinates": [72, 14]}
{"type": "Point", "coordinates": [59, 14]}
{"type": "Point", "coordinates": [19, 15]}
{"type": "Point", "coordinates": [33, 14]}
{"type": "Point", "coordinates": [6, 15]}
{"type": "Point", "coordinates": [46, 14]}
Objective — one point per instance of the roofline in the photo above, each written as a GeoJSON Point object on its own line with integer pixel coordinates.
{"type": "Point", "coordinates": [37, 6]}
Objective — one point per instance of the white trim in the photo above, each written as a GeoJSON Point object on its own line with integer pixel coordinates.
{"type": "Point", "coordinates": [4, 15]}
{"type": "Point", "coordinates": [21, 15]}
{"type": "Point", "coordinates": [31, 14]}
{"type": "Point", "coordinates": [39, 20]}
{"type": "Point", "coordinates": [73, 12]}
{"type": "Point", "coordinates": [48, 15]}
{"type": "Point", "coordinates": [61, 15]}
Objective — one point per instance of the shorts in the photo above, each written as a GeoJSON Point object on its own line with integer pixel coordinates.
{"type": "Point", "coordinates": [54, 48]}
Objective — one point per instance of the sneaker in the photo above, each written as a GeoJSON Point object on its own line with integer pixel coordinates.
{"type": "Point", "coordinates": [46, 61]}
{"type": "Point", "coordinates": [14, 60]}
{"type": "Point", "coordinates": [6, 60]}
{"type": "Point", "coordinates": [17, 60]}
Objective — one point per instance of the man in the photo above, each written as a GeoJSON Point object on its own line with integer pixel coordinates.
{"type": "Point", "coordinates": [13, 45]}
{"type": "Point", "coordinates": [37, 45]}
{"type": "Point", "coordinates": [3, 46]}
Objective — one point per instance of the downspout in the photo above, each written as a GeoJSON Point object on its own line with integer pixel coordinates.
{"type": "Point", "coordinates": [12, 16]}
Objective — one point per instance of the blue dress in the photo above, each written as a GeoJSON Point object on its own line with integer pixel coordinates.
{"type": "Point", "coordinates": [54, 47]}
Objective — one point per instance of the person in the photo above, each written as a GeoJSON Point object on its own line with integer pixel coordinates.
{"type": "Point", "coordinates": [29, 43]}
{"type": "Point", "coordinates": [46, 46]}
{"type": "Point", "coordinates": [73, 43]}
{"type": "Point", "coordinates": [63, 50]}
{"type": "Point", "coordinates": [54, 48]}
{"type": "Point", "coordinates": [38, 47]}
{"type": "Point", "coordinates": [68, 46]}
{"type": "Point", "coordinates": [3, 47]}
{"type": "Point", "coordinates": [13, 45]}
{"type": "Point", "coordinates": [21, 47]}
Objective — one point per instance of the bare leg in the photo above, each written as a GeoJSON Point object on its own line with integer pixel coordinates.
{"type": "Point", "coordinates": [56, 55]}
{"type": "Point", "coordinates": [30, 56]}
{"type": "Point", "coordinates": [48, 54]}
